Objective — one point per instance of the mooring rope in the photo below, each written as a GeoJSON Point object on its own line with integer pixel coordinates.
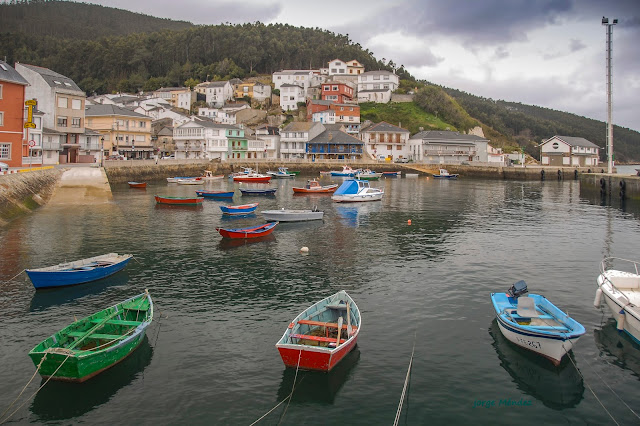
{"type": "Point", "coordinates": [25, 387]}
{"type": "Point", "coordinates": [37, 390]}
{"type": "Point", "coordinates": [588, 386]}
{"type": "Point", "coordinates": [292, 388]}
{"type": "Point", "coordinates": [16, 276]}
{"type": "Point", "coordinates": [287, 398]}
{"type": "Point", "coordinates": [406, 382]}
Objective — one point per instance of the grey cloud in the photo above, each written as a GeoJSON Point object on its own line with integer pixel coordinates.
{"type": "Point", "coordinates": [575, 45]}
{"type": "Point", "coordinates": [501, 53]}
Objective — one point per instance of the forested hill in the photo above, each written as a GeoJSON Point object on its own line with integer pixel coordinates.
{"type": "Point", "coordinates": [527, 123]}
{"type": "Point", "coordinates": [64, 19]}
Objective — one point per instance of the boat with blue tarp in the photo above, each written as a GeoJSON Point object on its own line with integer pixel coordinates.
{"type": "Point", "coordinates": [355, 190]}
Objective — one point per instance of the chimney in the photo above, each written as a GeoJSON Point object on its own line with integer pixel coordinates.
{"type": "Point", "coordinates": [330, 135]}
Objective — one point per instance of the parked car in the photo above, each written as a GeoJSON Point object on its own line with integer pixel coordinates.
{"type": "Point", "coordinates": [401, 160]}
{"type": "Point", "coordinates": [4, 167]}
{"type": "Point", "coordinates": [116, 157]}
{"type": "Point", "coordinates": [168, 157]}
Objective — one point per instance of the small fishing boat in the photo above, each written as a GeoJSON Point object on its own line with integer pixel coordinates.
{"type": "Point", "coordinates": [321, 336]}
{"type": "Point", "coordinates": [196, 181]}
{"type": "Point", "coordinates": [79, 271]}
{"type": "Point", "coordinates": [444, 174]}
{"type": "Point", "coordinates": [367, 174]}
{"type": "Point", "coordinates": [95, 343]}
{"type": "Point", "coordinates": [535, 323]}
{"type": "Point", "coordinates": [252, 177]}
{"type": "Point", "coordinates": [250, 232]}
{"type": "Point", "coordinates": [282, 173]}
{"type": "Point", "coordinates": [325, 173]}
{"type": "Point", "coordinates": [314, 187]}
{"type": "Point", "coordinates": [215, 194]}
{"type": "Point", "coordinates": [621, 290]}
{"type": "Point", "coordinates": [243, 209]}
{"type": "Point", "coordinates": [208, 175]}
{"type": "Point", "coordinates": [179, 201]}
{"type": "Point", "coordinates": [175, 179]}
{"type": "Point", "coordinates": [353, 190]}
{"type": "Point", "coordinates": [285, 215]}
{"type": "Point", "coordinates": [346, 171]}
{"type": "Point", "coordinates": [391, 174]}
{"type": "Point", "coordinates": [137, 184]}
{"type": "Point", "coordinates": [252, 191]}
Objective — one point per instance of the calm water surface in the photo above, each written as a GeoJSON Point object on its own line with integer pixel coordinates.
{"type": "Point", "coordinates": [210, 357]}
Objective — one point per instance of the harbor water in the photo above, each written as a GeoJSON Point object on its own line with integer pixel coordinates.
{"type": "Point", "coordinates": [210, 356]}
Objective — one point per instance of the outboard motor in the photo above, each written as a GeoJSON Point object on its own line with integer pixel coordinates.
{"type": "Point", "coordinates": [518, 289]}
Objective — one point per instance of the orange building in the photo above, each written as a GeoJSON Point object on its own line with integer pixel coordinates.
{"type": "Point", "coordinates": [12, 88]}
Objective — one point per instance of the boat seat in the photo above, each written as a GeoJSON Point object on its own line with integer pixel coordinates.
{"type": "Point", "coordinates": [117, 322]}
{"type": "Point", "coordinates": [550, 327]}
{"type": "Point", "coordinates": [97, 335]}
{"type": "Point", "coordinates": [325, 324]}
{"type": "Point", "coordinates": [527, 307]}
{"type": "Point", "coordinates": [316, 338]}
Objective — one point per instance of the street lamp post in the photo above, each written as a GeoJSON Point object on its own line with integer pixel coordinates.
{"type": "Point", "coordinates": [102, 151]}
{"type": "Point", "coordinates": [605, 22]}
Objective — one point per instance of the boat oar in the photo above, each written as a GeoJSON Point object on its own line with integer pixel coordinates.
{"type": "Point", "coordinates": [339, 330]}
{"type": "Point", "coordinates": [349, 329]}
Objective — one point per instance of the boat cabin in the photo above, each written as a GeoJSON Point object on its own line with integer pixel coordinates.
{"type": "Point", "coordinates": [352, 187]}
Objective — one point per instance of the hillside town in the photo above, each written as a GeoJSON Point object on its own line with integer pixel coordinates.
{"type": "Point", "coordinates": [46, 119]}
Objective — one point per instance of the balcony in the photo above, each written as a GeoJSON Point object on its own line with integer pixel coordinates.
{"type": "Point", "coordinates": [333, 150]}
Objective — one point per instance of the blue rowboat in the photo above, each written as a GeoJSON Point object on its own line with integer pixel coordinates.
{"type": "Point", "coordinates": [534, 323]}
{"type": "Point", "coordinates": [249, 191]}
{"type": "Point", "coordinates": [215, 194]}
{"type": "Point", "coordinates": [243, 209]}
{"type": "Point", "coordinates": [79, 271]}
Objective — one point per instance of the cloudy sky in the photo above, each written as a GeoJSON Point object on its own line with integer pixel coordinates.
{"type": "Point", "coordinates": [549, 53]}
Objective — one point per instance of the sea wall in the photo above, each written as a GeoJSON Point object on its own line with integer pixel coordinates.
{"type": "Point", "coordinates": [21, 193]}
{"type": "Point", "coordinates": [611, 187]}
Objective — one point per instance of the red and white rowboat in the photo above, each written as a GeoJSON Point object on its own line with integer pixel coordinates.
{"type": "Point", "coordinates": [322, 335]}
{"type": "Point", "coordinates": [252, 177]}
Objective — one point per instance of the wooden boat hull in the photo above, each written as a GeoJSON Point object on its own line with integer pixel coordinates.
{"type": "Point", "coordinates": [61, 278]}
{"type": "Point", "coordinates": [451, 177]}
{"type": "Point", "coordinates": [295, 353]}
{"type": "Point", "coordinates": [137, 184]}
{"type": "Point", "coordinates": [291, 215]}
{"type": "Point", "coordinates": [262, 179]}
{"type": "Point", "coordinates": [179, 201]}
{"type": "Point", "coordinates": [328, 189]}
{"type": "Point", "coordinates": [552, 342]}
{"type": "Point", "coordinates": [190, 182]}
{"type": "Point", "coordinates": [253, 232]}
{"type": "Point", "coordinates": [391, 174]}
{"type": "Point", "coordinates": [235, 210]}
{"type": "Point", "coordinates": [214, 194]}
{"type": "Point", "coordinates": [106, 341]}
{"type": "Point", "coordinates": [270, 191]}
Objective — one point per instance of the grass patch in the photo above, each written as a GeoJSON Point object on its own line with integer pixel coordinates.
{"type": "Point", "coordinates": [408, 114]}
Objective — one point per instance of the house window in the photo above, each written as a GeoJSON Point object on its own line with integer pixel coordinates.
{"type": "Point", "coordinates": [5, 151]}
{"type": "Point", "coordinates": [75, 122]}
{"type": "Point", "coordinates": [338, 64]}
{"type": "Point", "coordinates": [335, 88]}
{"type": "Point", "coordinates": [350, 109]}
{"type": "Point", "coordinates": [62, 121]}
{"type": "Point", "coordinates": [62, 102]}
{"type": "Point", "coordinates": [76, 104]}
{"type": "Point", "coordinates": [1, 118]}
{"type": "Point", "coordinates": [389, 147]}
{"type": "Point", "coordinates": [555, 145]}
{"type": "Point", "coordinates": [386, 77]}
{"type": "Point", "coordinates": [386, 86]}
{"type": "Point", "coordinates": [142, 124]}
{"type": "Point", "coordinates": [327, 87]}
{"type": "Point", "coordinates": [341, 71]}
{"type": "Point", "coordinates": [0, 91]}
{"type": "Point", "coordinates": [376, 77]}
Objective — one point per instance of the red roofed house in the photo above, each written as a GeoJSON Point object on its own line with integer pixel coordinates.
{"type": "Point", "coordinates": [336, 92]}
{"type": "Point", "coordinates": [12, 88]}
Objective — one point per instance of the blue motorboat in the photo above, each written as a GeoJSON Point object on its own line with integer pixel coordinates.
{"type": "Point", "coordinates": [79, 271]}
{"type": "Point", "coordinates": [215, 194]}
{"type": "Point", "coordinates": [345, 172]}
{"type": "Point", "coordinates": [535, 323]}
{"type": "Point", "coordinates": [251, 191]}
{"type": "Point", "coordinates": [444, 174]}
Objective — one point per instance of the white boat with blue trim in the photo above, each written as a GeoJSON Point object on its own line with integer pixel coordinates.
{"type": "Point", "coordinates": [621, 290]}
{"type": "Point", "coordinates": [354, 190]}
{"type": "Point", "coordinates": [535, 323]}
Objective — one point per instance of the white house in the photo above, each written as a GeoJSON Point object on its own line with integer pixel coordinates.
{"type": "Point", "coordinates": [442, 147]}
{"type": "Point", "coordinates": [569, 151]}
{"type": "Point", "coordinates": [381, 96]}
{"type": "Point", "coordinates": [271, 137]}
{"type": "Point", "coordinates": [186, 99]}
{"type": "Point", "coordinates": [337, 67]}
{"type": "Point", "coordinates": [157, 112]}
{"type": "Point", "coordinates": [485, 153]}
{"type": "Point", "coordinates": [294, 138]}
{"type": "Point", "coordinates": [201, 138]}
{"type": "Point", "coordinates": [261, 91]}
{"type": "Point", "coordinates": [354, 67]}
{"type": "Point", "coordinates": [218, 92]}
{"type": "Point", "coordinates": [372, 80]}
{"type": "Point", "coordinates": [290, 95]}
{"type": "Point", "coordinates": [327, 116]}
{"type": "Point", "coordinates": [301, 78]}
{"type": "Point", "coordinates": [386, 141]}
{"type": "Point", "coordinates": [218, 115]}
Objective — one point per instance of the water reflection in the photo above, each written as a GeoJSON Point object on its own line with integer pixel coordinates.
{"type": "Point", "coordinates": [556, 387]}
{"type": "Point", "coordinates": [317, 386]}
{"type": "Point", "coordinates": [355, 215]}
{"type": "Point", "coordinates": [61, 400]}
{"type": "Point", "coordinates": [45, 298]}
{"type": "Point", "coordinates": [231, 243]}
{"type": "Point", "coordinates": [172, 207]}
{"type": "Point", "coordinates": [618, 345]}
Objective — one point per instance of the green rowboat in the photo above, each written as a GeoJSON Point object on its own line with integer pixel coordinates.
{"type": "Point", "coordinates": [93, 344]}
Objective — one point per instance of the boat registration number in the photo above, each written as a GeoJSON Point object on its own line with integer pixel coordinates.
{"type": "Point", "coordinates": [535, 345]}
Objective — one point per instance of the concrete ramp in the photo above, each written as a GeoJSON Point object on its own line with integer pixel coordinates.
{"type": "Point", "coordinates": [81, 186]}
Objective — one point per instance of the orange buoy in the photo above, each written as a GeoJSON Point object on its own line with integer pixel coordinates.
{"type": "Point", "coordinates": [409, 222]}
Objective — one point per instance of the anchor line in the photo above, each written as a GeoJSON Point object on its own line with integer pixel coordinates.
{"type": "Point", "coordinates": [406, 381]}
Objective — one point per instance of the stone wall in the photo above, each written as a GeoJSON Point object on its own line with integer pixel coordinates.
{"type": "Point", "coordinates": [21, 193]}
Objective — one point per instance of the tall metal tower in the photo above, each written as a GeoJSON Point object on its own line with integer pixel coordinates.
{"type": "Point", "coordinates": [605, 22]}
